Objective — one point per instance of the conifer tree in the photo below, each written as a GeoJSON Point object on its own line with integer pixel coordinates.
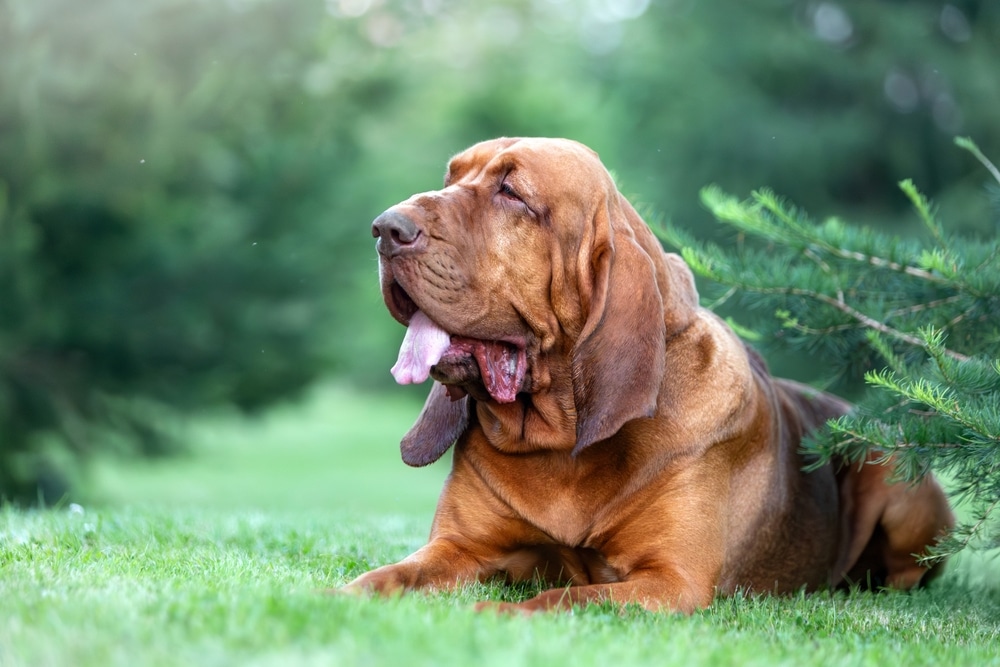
{"type": "Point", "coordinates": [919, 318]}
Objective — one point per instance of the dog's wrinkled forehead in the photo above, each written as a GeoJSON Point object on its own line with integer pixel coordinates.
{"type": "Point", "coordinates": [536, 155]}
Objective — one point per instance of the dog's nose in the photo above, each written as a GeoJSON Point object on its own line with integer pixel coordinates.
{"type": "Point", "coordinates": [395, 233]}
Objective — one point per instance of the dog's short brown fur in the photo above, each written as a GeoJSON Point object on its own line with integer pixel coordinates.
{"type": "Point", "coordinates": [648, 456]}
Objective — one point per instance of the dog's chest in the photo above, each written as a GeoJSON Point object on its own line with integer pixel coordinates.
{"type": "Point", "coordinates": [561, 498]}
{"type": "Point", "coordinates": [562, 516]}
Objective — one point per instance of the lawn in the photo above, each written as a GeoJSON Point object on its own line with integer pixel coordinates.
{"type": "Point", "coordinates": [221, 557]}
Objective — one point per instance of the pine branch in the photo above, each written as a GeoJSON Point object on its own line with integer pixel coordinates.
{"type": "Point", "coordinates": [932, 407]}
{"type": "Point", "coordinates": [926, 212]}
{"type": "Point", "coordinates": [917, 307]}
{"type": "Point", "coordinates": [952, 544]}
{"type": "Point", "coordinates": [941, 399]}
{"type": "Point", "coordinates": [887, 264]}
{"type": "Point", "coordinates": [770, 217]}
{"type": "Point", "coordinates": [807, 233]}
{"type": "Point", "coordinates": [843, 307]}
{"type": "Point", "coordinates": [894, 361]}
{"type": "Point", "coordinates": [722, 299]}
{"type": "Point", "coordinates": [968, 144]}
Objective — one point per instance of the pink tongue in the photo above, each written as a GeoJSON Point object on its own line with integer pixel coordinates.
{"type": "Point", "coordinates": [423, 346]}
{"type": "Point", "coordinates": [501, 366]}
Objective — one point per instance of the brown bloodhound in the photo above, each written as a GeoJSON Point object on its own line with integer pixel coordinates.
{"type": "Point", "coordinates": [611, 436]}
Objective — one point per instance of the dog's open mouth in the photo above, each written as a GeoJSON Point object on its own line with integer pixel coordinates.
{"type": "Point", "coordinates": [501, 365]}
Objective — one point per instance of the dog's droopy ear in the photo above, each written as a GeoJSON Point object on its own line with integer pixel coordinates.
{"type": "Point", "coordinates": [437, 428]}
{"type": "Point", "coordinates": [618, 361]}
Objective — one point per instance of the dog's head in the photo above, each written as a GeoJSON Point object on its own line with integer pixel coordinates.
{"type": "Point", "coordinates": [528, 275]}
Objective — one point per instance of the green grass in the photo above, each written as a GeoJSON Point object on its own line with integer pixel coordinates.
{"type": "Point", "coordinates": [220, 557]}
{"type": "Point", "coordinates": [338, 450]}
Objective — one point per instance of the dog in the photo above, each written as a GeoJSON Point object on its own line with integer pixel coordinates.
{"type": "Point", "coordinates": [611, 437]}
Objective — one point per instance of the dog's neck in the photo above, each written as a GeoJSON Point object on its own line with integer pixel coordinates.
{"type": "Point", "coordinates": [544, 419]}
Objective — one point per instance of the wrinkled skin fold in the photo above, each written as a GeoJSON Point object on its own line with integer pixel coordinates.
{"type": "Point", "coordinates": [610, 436]}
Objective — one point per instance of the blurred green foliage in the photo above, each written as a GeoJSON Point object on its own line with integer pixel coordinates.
{"type": "Point", "coordinates": [186, 185]}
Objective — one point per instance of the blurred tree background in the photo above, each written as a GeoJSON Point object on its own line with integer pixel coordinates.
{"type": "Point", "coordinates": [186, 186]}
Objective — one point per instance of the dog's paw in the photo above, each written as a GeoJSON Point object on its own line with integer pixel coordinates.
{"type": "Point", "coordinates": [385, 581]}
{"type": "Point", "coordinates": [349, 590]}
{"type": "Point", "coordinates": [504, 608]}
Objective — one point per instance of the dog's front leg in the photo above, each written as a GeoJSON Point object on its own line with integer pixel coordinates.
{"type": "Point", "coordinates": [441, 564]}
{"type": "Point", "coordinates": [655, 591]}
